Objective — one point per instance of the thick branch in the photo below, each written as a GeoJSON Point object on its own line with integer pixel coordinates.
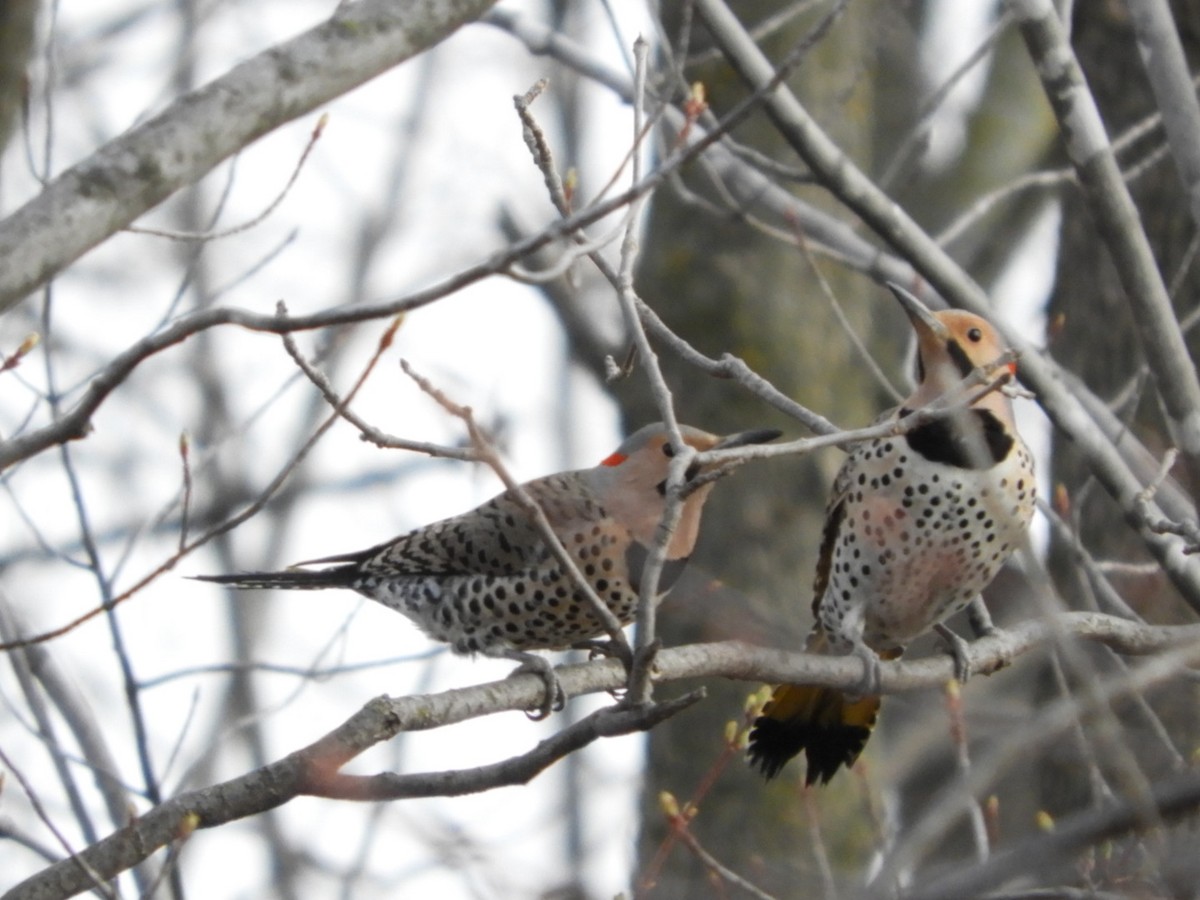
{"type": "Point", "coordinates": [304, 771]}
{"type": "Point", "coordinates": [145, 165]}
{"type": "Point", "coordinates": [1166, 65]}
{"type": "Point", "coordinates": [1113, 208]}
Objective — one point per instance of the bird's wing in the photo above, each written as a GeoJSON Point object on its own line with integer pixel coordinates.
{"type": "Point", "coordinates": [834, 515]}
{"type": "Point", "coordinates": [500, 537]}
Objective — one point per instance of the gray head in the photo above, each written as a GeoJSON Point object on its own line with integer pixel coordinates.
{"type": "Point", "coordinates": [631, 481]}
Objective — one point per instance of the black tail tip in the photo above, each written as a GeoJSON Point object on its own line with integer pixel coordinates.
{"type": "Point", "coordinates": [771, 746]}
{"type": "Point", "coordinates": [773, 743]}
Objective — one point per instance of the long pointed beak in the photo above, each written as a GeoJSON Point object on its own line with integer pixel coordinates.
{"type": "Point", "coordinates": [742, 438]}
{"type": "Point", "coordinates": [918, 313]}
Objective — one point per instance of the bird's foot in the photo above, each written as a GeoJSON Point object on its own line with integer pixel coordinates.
{"type": "Point", "coordinates": [869, 686]}
{"type": "Point", "coordinates": [982, 625]}
{"type": "Point", "coordinates": [608, 649]}
{"type": "Point", "coordinates": [980, 619]}
{"type": "Point", "coordinates": [959, 650]}
{"type": "Point", "coordinates": [555, 697]}
{"type": "Point", "coordinates": [605, 649]}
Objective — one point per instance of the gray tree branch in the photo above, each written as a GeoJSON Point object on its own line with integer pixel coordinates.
{"type": "Point", "coordinates": [1116, 215]}
{"type": "Point", "coordinates": [315, 768]}
{"type": "Point", "coordinates": [136, 171]}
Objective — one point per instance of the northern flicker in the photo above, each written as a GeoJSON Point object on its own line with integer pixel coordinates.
{"type": "Point", "coordinates": [917, 525]}
{"type": "Point", "coordinates": [486, 581]}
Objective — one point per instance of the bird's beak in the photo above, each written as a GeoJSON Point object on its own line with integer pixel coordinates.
{"type": "Point", "coordinates": [742, 438]}
{"type": "Point", "coordinates": [918, 313]}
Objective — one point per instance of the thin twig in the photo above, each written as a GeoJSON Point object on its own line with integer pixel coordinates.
{"type": "Point", "coordinates": [249, 512]}
{"type": "Point", "coordinates": [816, 839]}
{"type": "Point", "coordinates": [918, 135]}
{"type": "Point", "coordinates": [91, 880]}
{"type": "Point", "coordinates": [245, 226]}
{"type": "Point", "coordinates": [1188, 529]}
{"type": "Point", "coordinates": [680, 825]}
{"type": "Point", "coordinates": [367, 431]}
{"type": "Point", "coordinates": [639, 678]}
{"type": "Point", "coordinates": [185, 505]}
{"type": "Point", "coordinates": [732, 746]}
{"type": "Point", "coordinates": [864, 354]}
{"type": "Point", "coordinates": [23, 349]}
{"type": "Point", "coordinates": [962, 760]}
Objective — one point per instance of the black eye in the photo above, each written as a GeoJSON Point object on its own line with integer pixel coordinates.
{"type": "Point", "coordinates": [692, 471]}
{"type": "Point", "coordinates": [668, 450]}
{"type": "Point", "coordinates": [974, 335]}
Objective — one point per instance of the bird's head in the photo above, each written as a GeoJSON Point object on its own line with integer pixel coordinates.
{"type": "Point", "coordinates": [632, 480]}
{"type": "Point", "coordinates": [950, 345]}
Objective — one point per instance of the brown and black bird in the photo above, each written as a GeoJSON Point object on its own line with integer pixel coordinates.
{"type": "Point", "coordinates": [917, 525]}
{"type": "Point", "coordinates": [487, 581]}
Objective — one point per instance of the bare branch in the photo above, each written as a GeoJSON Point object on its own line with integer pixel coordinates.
{"type": "Point", "coordinates": [305, 770]}
{"type": "Point", "coordinates": [608, 722]}
{"type": "Point", "coordinates": [145, 165]}
{"type": "Point", "coordinates": [1163, 56]}
{"type": "Point", "coordinates": [1116, 215]}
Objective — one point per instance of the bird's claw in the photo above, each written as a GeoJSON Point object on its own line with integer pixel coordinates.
{"type": "Point", "coordinates": [959, 651]}
{"type": "Point", "coordinates": [555, 696]}
{"type": "Point", "coordinates": [980, 619]}
{"type": "Point", "coordinates": [605, 649]}
{"type": "Point", "coordinates": [870, 684]}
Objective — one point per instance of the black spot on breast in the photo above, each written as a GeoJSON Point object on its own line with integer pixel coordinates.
{"type": "Point", "coordinates": [957, 440]}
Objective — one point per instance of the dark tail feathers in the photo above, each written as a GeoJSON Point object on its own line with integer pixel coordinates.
{"type": "Point", "coordinates": [288, 579]}
{"type": "Point", "coordinates": [830, 727]}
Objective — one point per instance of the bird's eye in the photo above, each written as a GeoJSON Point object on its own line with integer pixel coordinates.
{"type": "Point", "coordinates": [668, 450]}
{"type": "Point", "coordinates": [974, 335]}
